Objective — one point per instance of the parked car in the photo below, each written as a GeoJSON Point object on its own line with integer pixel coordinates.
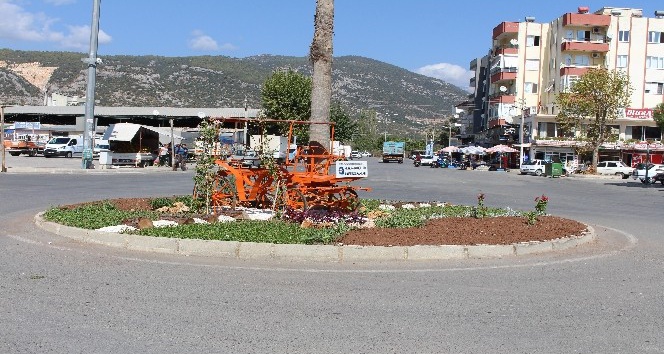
{"type": "Point", "coordinates": [640, 172]}
{"type": "Point", "coordinates": [617, 168]}
{"type": "Point", "coordinates": [534, 167]}
{"type": "Point", "coordinates": [658, 178]}
{"type": "Point", "coordinates": [355, 154]}
{"type": "Point", "coordinates": [365, 154]}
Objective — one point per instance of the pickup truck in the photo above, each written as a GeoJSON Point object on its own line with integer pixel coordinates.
{"type": "Point", "coordinates": [427, 160]}
{"type": "Point", "coordinates": [534, 167]}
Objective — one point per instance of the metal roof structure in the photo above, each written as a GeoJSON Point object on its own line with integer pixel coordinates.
{"type": "Point", "coordinates": [109, 115]}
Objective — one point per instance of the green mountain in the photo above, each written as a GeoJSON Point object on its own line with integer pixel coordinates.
{"type": "Point", "coordinates": [402, 98]}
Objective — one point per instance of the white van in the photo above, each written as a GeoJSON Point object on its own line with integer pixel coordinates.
{"type": "Point", "coordinates": [66, 146]}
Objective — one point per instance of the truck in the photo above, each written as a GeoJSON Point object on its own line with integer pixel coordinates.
{"type": "Point", "coordinates": [24, 147]}
{"type": "Point", "coordinates": [339, 149]}
{"type": "Point", "coordinates": [130, 145]}
{"type": "Point", "coordinates": [66, 146]}
{"type": "Point", "coordinates": [394, 151]}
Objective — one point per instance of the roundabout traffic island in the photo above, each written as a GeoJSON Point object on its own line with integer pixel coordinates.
{"type": "Point", "coordinates": [436, 238]}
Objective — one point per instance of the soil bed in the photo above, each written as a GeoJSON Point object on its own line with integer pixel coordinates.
{"type": "Point", "coordinates": [445, 231]}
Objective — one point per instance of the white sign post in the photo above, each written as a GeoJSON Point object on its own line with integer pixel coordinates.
{"type": "Point", "coordinates": [353, 169]}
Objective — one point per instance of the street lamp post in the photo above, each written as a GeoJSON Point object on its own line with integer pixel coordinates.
{"type": "Point", "coordinates": [2, 135]}
{"type": "Point", "coordinates": [523, 114]}
{"type": "Point", "coordinates": [92, 62]}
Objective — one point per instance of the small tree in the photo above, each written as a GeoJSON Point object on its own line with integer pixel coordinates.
{"type": "Point", "coordinates": [205, 171]}
{"type": "Point", "coordinates": [591, 104]}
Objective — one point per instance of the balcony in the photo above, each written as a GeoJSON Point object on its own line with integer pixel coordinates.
{"type": "Point", "coordinates": [503, 76]}
{"type": "Point", "coordinates": [472, 82]}
{"type": "Point", "coordinates": [585, 20]}
{"type": "Point", "coordinates": [502, 98]}
{"type": "Point", "coordinates": [505, 28]}
{"type": "Point", "coordinates": [496, 123]}
{"type": "Point", "coordinates": [513, 50]}
{"type": "Point", "coordinates": [473, 65]}
{"type": "Point", "coordinates": [574, 71]}
{"type": "Point", "coordinates": [584, 46]}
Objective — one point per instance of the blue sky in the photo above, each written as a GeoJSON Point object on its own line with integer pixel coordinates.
{"type": "Point", "coordinates": [437, 38]}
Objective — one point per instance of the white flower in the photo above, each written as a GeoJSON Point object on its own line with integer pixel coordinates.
{"type": "Point", "coordinates": [200, 221]}
{"type": "Point", "coordinates": [117, 228]}
{"type": "Point", "coordinates": [425, 205]}
{"type": "Point", "coordinates": [164, 223]}
{"type": "Point", "coordinates": [408, 206]}
{"type": "Point", "coordinates": [225, 218]}
{"type": "Point", "coordinates": [386, 207]}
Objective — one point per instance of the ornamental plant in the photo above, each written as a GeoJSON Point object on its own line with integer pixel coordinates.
{"type": "Point", "coordinates": [205, 163]}
{"type": "Point", "coordinates": [540, 204]}
{"type": "Point", "coordinates": [480, 210]}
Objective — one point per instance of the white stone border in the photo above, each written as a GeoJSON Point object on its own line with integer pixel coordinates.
{"type": "Point", "coordinates": [325, 253]}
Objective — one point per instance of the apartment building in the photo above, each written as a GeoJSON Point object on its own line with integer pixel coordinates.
{"type": "Point", "coordinates": [530, 62]}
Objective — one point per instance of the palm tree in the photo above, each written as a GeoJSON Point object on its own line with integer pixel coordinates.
{"type": "Point", "coordinates": [321, 57]}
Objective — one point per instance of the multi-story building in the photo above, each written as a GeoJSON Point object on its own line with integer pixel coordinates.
{"type": "Point", "coordinates": [529, 63]}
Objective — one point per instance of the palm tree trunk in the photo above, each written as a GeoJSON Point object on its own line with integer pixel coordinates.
{"type": "Point", "coordinates": [321, 58]}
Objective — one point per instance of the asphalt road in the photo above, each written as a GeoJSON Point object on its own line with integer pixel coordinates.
{"type": "Point", "coordinates": [60, 296]}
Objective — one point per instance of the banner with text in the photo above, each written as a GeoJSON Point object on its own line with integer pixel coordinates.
{"type": "Point", "coordinates": [353, 169]}
{"type": "Point", "coordinates": [638, 113]}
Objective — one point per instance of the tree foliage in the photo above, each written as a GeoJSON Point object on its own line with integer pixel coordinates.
{"type": "Point", "coordinates": [286, 94]}
{"type": "Point", "coordinates": [591, 104]}
{"type": "Point", "coordinates": [344, 127]}
{"type": "Point", "coordinates": [658, 116]}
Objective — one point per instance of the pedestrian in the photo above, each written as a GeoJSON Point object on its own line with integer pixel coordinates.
{"type": "Point", "coordinates": [163, 155]}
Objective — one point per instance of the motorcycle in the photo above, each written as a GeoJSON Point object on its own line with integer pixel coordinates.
{"type": "Point", "coordinates": [439, 162]}
{"type": "Point", "coordinates": [417, 163]}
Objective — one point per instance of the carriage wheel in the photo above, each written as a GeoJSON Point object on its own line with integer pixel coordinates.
{"type": "Point", "coordinates": [223, 193]}
{"type": "Point", "coordinates": [344, 200]}
{"type": "Point", "coordinates": [290, 197]}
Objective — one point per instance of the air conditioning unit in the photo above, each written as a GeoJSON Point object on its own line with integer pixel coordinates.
{"type": "Point", "coordinates": [596, 29]}
{"type": "Point", "coordinates": [595, 55]}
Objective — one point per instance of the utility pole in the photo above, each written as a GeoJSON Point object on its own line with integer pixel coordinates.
{"type": "Point", "coordinates": [92, 62]}
{"type": "Point", "coordinates": [2, 135]}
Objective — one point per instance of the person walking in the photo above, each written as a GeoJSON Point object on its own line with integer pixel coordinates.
{"type": "Point", "coordinates": [181, 153]}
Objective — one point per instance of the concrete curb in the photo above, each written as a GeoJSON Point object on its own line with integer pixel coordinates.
{"type": "Point", "coordinates": [320, 253]}
{"type": "Point", "coordinates": [70, 171]}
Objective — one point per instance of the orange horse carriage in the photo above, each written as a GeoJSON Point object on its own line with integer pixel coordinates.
{"type": "Point", "coordinates": [311, 179]}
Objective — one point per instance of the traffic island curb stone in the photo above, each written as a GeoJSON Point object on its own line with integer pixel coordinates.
{"type": "Point", "coordinates": [322, 253]}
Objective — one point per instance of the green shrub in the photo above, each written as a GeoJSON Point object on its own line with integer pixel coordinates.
{"type": "Point", "coordinates": [279, 232]}
{"type": "Point", "coordinates": [93, 216]}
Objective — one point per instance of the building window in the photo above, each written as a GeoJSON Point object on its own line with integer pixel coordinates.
{"type": "Point", "coordinates": [622, 61]}
{"type": "Point", "coordinates": [532, 64]}
{"type": "Point", "coordinates": [654, 62]}
{"type": "Point", "coordinates": [581, 60]}
{"type": "Point", "coordinates": [530, 87]}
{"type": "Point", "coordinates": [623, 36]}
{"type": "Point", "coordinates": [583, 36]}
{"type": "Point", "coordinates": [655, 37]}
{"type": "Point", "coordinates": [567, 81]}
{"type": "Point", "coordinates": [569, 35]}
{"type": "Point", "coordinates": [532, 41]}
{"type": "Point", "coordinates": [654, 88]}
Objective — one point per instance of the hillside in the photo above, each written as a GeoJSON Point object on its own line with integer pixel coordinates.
{"type": "Point", "coordinates": [217, 81]}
